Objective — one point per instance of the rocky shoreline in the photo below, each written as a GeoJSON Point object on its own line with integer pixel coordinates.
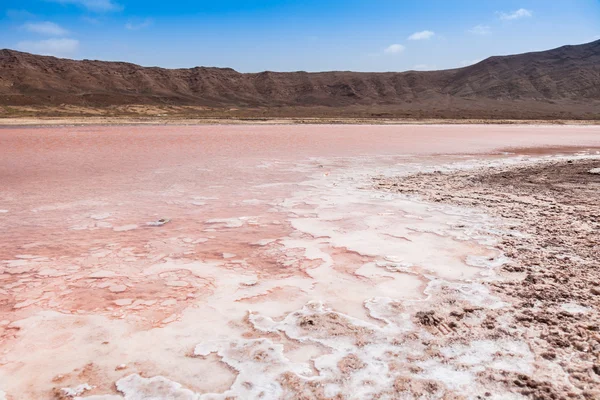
{"type": "Point", "coordinates": [551, 283]}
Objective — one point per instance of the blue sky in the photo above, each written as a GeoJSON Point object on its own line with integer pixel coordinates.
{"type": "Point", "coordinates": [286, 35]}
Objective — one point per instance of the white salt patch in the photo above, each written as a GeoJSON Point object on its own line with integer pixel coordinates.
{"type": "Point", "coordinates": [449, 376]}
{"type": "Point", "coordinates": [259, 361]}
{"type": "Point", "coordinates": [31, 245]}
{"type": "Point", "coordinates": [505, 355]}
{"type": "Point", "coordinates": [81, 227]}
{"type": "Point", "coordinates": [3, 211]}
{"type": "Point", "coordinates": [27, 257]}
{"type": "Point", "coordinates": [252, 201]}
{"type": "Point", "coordinates": [25, 303]}
{"type": "Point", "coordinates": [16, 263]}
{"type": "Point", "coordinates": [158, 387]}
{"type": "Point", "coordinates": [159, 222]}
{"type": "Point", "coordinates": [486, 262]}
{"type": "Point", "coordinates": [117, 288]}
{"type": "Point", "coordinates": [332, 390]}
{"type": "Point", "coordinates": [100, 216]}
{"type": "Point", "coordinates": [228, 255]}
{"type": "Point", "coordinates": [574, 308]}
{"type": "Point", "coordinates": [124, 228]}
{"type": "Point", "coordinates": [102, 274]}
{"type": "Point", "coordinates": [123, 302]}
{"type": "Point", "coordinates": [176, 283]}
{"type": "Point", "coordinates": [101, 253]}
{"type": "Point", "coordinates": [169, 319]}
{"type": "Point", "coordinates": [228, 222]}
{"type": "Point", "coordinates": [51, 272]}
{"type": "Point", "coordinates": [77, 390]}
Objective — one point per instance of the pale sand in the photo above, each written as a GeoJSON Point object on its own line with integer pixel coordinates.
{"type": "Point", "coordinates": [279, 260]}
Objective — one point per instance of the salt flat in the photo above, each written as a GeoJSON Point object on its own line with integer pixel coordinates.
{"type": "Point", "coordinates": [246, 261]}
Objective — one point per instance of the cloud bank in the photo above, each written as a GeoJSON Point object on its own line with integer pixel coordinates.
{"type": "Point", "coordinates": [518, 14]}
{"type": "Point", "coordinates": [45, 28]}
{"type": "Point", "coordinates": [423, 35]}
{"type": "Point", "coordinates": [93, 5]}
{"type": "Point", "coordinates": [394, 49]}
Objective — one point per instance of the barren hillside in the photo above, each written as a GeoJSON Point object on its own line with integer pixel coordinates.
{"type": "Point", "coordinates": [558, 83]}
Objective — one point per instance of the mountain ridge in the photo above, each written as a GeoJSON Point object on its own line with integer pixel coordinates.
{"type": "Point", "coordinates": [562, 81]}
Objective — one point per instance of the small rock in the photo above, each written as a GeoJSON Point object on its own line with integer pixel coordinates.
{"type": "Point", "coordinates": [595, 171]}
{"type": "Point", "coordinates": [428, 318]}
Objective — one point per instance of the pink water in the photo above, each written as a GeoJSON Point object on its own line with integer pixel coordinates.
{"type": "Point", "coordinates": [261, 217]}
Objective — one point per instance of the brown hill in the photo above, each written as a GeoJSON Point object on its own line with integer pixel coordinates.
{"type": "Point", "coordinates": [563, 82]}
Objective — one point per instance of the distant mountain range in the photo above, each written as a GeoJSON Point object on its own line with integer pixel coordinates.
{"type": "Point", "coordinates": [558, 83]}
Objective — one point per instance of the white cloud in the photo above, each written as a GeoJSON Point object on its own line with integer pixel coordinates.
{"type": "Point", "coordinates": [480, 30]}
{"type": "Point", "coordinates": [423, 35]}
{"type": "Point", "coordinates": [520, 13]}
{"type": "Point", "coordinates": [424, 67]}
{"type": "Point", "coordinates": [93, 5]}
{"type": "Point", "coordinates": [137, 25]}
{"type": "Point", "coordinates": [394, 49]}
{"type": "Point", "coordinates": [50, 47]}
{"type": "Point", "coordinates": [46, 28]}
{"type": "Point", "coordinates": [596, 37]}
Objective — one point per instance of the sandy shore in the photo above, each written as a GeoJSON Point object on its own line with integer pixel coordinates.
{"type": "Point", "coordinates": [258, 261]}
{"type": "Point", "coordinates": [162, 120]}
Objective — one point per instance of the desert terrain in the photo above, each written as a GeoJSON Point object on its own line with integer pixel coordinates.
{"type": "Point", "coordinates": [286, 261]}
{"type": "Point", "coordinates": [556, 84]}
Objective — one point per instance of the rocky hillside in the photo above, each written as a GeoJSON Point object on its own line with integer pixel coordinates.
{"type": "Point", "coordinates": [560, 82]}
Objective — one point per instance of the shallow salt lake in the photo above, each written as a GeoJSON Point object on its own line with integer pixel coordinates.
{"type": "Point", "coordinates": [190, 254]}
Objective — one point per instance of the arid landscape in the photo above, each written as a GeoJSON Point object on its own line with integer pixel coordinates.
{"type": "Point", "coordinates": [257, 261]}
{"type": "Point", "coordinates": [558, 84]}
{"type": "Point", "coordinates": [299, 200]}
